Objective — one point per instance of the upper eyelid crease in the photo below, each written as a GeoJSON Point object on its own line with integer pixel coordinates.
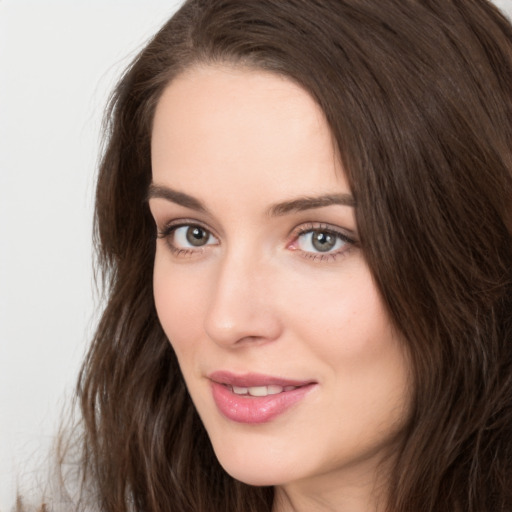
{"type": "Point", "coordinates": [348, 234]}
{"type": "Point", "coordinates": [173, 225]}
{"type": "Point", "coordinates": [299, 231]}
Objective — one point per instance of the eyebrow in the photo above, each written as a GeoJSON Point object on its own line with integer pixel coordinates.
{"type": "Point", "coordinates": [309, 203]}
{"type": "Point", "coordinates": [160, 192]}
{"type": "Point", "coordinates": [276, 210]}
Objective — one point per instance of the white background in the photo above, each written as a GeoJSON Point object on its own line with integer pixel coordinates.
{"type": "Point", "coordinates": [58, 62]}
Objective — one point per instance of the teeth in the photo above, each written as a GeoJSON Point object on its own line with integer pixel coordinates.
{"type": "Point", "coordinates": [261, 390]}
{"type": "Point", "coordinates": [274, 390]}
{"type": "Point", "coordinates": [258, 391]}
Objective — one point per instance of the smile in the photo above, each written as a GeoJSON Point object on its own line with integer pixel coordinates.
{"type": "Point", "coordinates": [260, 390]}
{"type": "Point", "coordinates": [255, 399]}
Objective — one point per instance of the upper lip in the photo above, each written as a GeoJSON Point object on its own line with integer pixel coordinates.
{"type": "Point", "coordinates": [248, 380]}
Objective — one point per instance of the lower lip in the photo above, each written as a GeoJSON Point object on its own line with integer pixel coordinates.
{"type": "Point", "coordinates": [255, 409]}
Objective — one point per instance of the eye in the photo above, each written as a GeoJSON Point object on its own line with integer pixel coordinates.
{"type": "Point", "coordinates": [185, 239]}
{"type": "Point", "coordinates": [320, 240]}
{"type": "Point", "coordinates": [192, 236]}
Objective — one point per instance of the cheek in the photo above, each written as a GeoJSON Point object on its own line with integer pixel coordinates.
{"type": "Point", "coordinates": [179, 301]}
{"type": "Point", "coordinates": [343, 317]}
{"type": "Point", "coordinates": [344, 325]}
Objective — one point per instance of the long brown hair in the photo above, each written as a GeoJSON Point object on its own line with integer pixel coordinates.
{"type": "Point", "coordinates": [418, 97]}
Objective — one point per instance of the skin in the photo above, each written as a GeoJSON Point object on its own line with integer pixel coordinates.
{"type": "Point", "coordinates": [258, 296]}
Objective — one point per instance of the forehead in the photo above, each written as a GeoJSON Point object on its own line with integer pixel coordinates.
{"type": "Point", "coordinates": [219, 126]}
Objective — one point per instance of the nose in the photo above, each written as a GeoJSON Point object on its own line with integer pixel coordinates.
{"type": "Point", "coordinates": [242, 309]}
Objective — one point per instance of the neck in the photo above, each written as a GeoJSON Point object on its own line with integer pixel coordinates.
{"type": "Point", "coordinates": [361, 490]}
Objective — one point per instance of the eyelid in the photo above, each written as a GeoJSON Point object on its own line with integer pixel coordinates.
{"type": "Point", "coordinates": [346, 235]}
{"type": "Point", "coordinates": [174, 224]}
{"type": "Point", "coordinates": [169, 228]}
{"type": "Point", "coordinates": [306, 227]}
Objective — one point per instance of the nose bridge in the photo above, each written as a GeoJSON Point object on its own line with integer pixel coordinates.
{"type": "Point", "coordinates": [240, 305]}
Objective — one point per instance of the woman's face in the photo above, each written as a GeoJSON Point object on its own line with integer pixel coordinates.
{"type": "Point", "coordinates": [261, 287]}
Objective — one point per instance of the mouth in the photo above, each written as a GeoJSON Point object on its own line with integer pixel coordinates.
{"type": "Point", "coordinates": [260, 390]}
{"type": "Point", "coordinates": [254, 398]}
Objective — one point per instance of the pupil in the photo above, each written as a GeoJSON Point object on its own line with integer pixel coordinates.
{"type": "Point", "coordinates": [323, 241]}
{"type": "Point", "coordinates": [196, 236]}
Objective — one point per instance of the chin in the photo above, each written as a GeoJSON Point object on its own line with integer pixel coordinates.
{"type": "Point", "coordinates": [255, 467]}
{"type": "Point", "coordinates": [256, 476]}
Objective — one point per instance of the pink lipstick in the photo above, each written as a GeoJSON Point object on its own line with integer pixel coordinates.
{"type": "Point", "coordinates": [254, 398]}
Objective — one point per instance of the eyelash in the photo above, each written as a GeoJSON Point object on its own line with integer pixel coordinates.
{"type": "Point", "coordinates": [170, 229]}
{"type": "Point", "coordinates": [304, 229]}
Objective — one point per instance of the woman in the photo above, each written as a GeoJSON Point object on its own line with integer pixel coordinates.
{"type": "Point", "coordinates": [304, 223]}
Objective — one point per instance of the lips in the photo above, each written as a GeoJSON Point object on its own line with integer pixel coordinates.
{"type": "Point", "coordinates": [255, 398]}
{"type": "Point", "coordinates": [260, 390]}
